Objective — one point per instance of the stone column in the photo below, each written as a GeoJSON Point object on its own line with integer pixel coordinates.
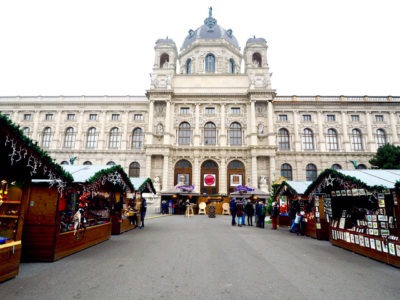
{"type": "Point", "coordinates": [197, 132]}
{"type": "Point", "coordinates": [58, 137]}
{"type": "Point", "coordinates": [148, 166]}
{"type": "Point", "coordinates": [252, 130]}
{"type": "Point", "coordinates": [168, 117]}
{"type": "Point", "coordinates": [196, 175]}
{"type": "Point", "coordinates": [270, 115]}
{"type": "Point", "coordinates": [296, 134]}
{"type": "Point", "coordinates": [346, 141]}
{"type": "Point", "coordinates": [393, 123]}
{"type": "Point", "coordinates": [321, 142]}
{"type": "Point", "coordinates": [165, 173]}
{"type": "Point", "coordinates": [272, 175]}
{"type": "Point", "coordinates": [149, 134]}
{"type": "Point", "coordinates": [103, 135]}
{"type": "Point", "coordinates": [370, 143]}
{"type": "Point", "coordinates": [222, 134]}
{"type": "Point", "coordinates": [223, 189]}
{"type": "Point", "coordinates": [254, 172]}
{"type": "Point", "coordinates": [80, 134]}
{"type": "Point", "coordinates": [125, 135]}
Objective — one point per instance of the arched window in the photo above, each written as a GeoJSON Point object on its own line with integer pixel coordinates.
{"type": "Point", "coordinates": [26, 131]}
{"type": "Point", "coordinates": [69, 138]}
{"type": "Point", "coordinates": [332, 140]}
{"type": "Point", "coordinates": [210, 63]}
{"type": "Point", "coordinates": [46, 138]}
{"type": "Point", "coordinates": [283, 139]}
{"type": "Point", "coordinates": [356, 140]}
{"type": "Point", "coordinates": [286, 171]}
{"type": "Point", "coordinates": [134, 169]}
{"type": "Point", "coordinates": [311, 172]}
{"type": "Point", "coordinates": [210, 134]}
{"type": "Point", "coordinates": [361, 167]}
{"type": "Point", "coordinates": [164, 60]}
{"type": "Point", "coordinates": [64, 163]}
{"type": "Point", "coordinates": [231, 66]}
{"type": "Point", "coordinates": [336, 167]}
{"type": "Point", "coordinates": [115, 138]}
{"type": "Point", "coordinates": [91, 139]}
{"type": "Point", "coordinates": [235, 134]}
{"type": "Point", "coordinates": [188, 66]}
{"type": "Point", "coordinates": [308, 139]}
{"type": "Point", "coordinates": [256, 59]}
{"type": "Point", "coordinates": [111, 163]}
{"type": "Point", "coordinates": [184, 133]}
{"type": "Point", "coordinates": [381, 137]}
{"type": "Point", "coordinates": [137, 138]}
{"type": "Point", "coordinates": [87, 163]}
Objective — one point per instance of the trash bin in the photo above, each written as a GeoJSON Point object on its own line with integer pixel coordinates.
{"type": "Point", "coordinates": [211, 211]}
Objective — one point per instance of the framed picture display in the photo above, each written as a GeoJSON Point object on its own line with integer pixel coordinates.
{"type": "Point", "coordinates": [381, 202]}
{"type": "Point", "coordinates": [384, 247]}
{"type": "Point", "coordinates": [352, 238]}
{"type": "Point", "coordinates": [348, 192]}
{"type": "Point", "coordinates": [384, 232]}
{"type": "Point", "coordinates": [392, 249]}
{"type": "Point", "coordinates": [384, 225]}
{"type": "Point", "coordinates": [356, 240]}
{"type": "Point", "coordinates": [374, 218]}
{"type": "Point", "coordinates": [347, 237]}
{"type": "Point", "coordinates": [361, 241]}
{"type": "Point", "coordinates": [361, 192]}
{"type": "Point", "coordinates": [370, 224]}
{"type": "Point", "coordinates": [236, 179]}
{"type": "Point", "coordinates": [209, 179]}
{"type": "Point", "coordinates": [372, 243]}
{"type": "Point", "coordinates": [369, 218]}
{"type": "Point", "coordinates": [185, 178]}
{"type": "Point", "coordinates": [333, 193]}
{"type": "Point", "coordinates": [376, 232]}
{"type": "Point", "coordinates": [374, 224]}
{"type": "Point", "coordinates": [342, 223]}
{"type": "Point", "coordinates": [354, 192]}
{"type": "Point", "coordinates": [382, 218]}
{"type": "Point", "coordinates": [366, 242]}
{"type": "Point", "coordinates": [343, 193]}
{"type": "Point", "coordinates": [398, 249]}
{"type": "Point", "coordinates": [318, 225]}
{"type": "Point", "coordinates": [378, 245]}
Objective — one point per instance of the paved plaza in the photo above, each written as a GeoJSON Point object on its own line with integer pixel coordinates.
{"type": "Point", "coordinates": [175, 257]}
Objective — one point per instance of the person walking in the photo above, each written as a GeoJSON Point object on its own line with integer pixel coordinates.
{"type": "Point", "coordinates": [232, 207]}
{"type": "Point", "coordinates": [263, 211]}
{"type": "Point", "coordinates": [292, 217]}
{"type": "Point", "coordinates": [239, 212]}
{"type": "Point", "coordinates": [249, 210]}
{"type": "Point", "coordinates": [274, 215]}
{"type": "Point", "coordinates": [143, 209]}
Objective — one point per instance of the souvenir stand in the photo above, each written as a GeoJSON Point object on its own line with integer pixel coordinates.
{"type": "Point", "coordinates": [362, 209]}
{"type": "Point", "coordinates": [179, 194]}
{"type": "Point", "coordinates": [127, 218]}
{"type": "Point", "coordinates": [80, 218]}
{"type": "Point", "coordinates": [20, 161]}
{"type": "Point", "coordinates": [292, 193]}
{"type": "Point", "coordinates": [253, 194]}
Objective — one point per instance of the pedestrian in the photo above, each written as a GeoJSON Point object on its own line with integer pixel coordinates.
{"type": "Point", "coordinates": [297, 223]}
{"type": "Point", "coordinates": [239, 212]}
{"type": "Point", "coordinates": [189, 209]}
{"type": "Point", "coordinates": [274, 215]}
{"type": "Point", "coordinates": [143, 209]}
{"type": "Point", "coordinates": [263, 211]}
{"type": "Point", "coordinates": [232, 208]}
{"type": "Point", "coordinates": [292, 216]}
{"type": "Point", "coordinates": [164, 207]}
{"type": "Point", "coordinates": [244, 202]}
{"type": "Point", "coordinates": [249, 210]}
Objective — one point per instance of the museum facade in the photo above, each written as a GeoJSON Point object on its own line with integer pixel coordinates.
{"type": "Point", "coordinates": [210, 116]}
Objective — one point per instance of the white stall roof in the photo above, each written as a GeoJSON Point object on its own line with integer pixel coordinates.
{"type": "Point", "coordinates": [385, 178]}
{"type": "Point", "coordinates": [299, 186]}
{"type": "Point", "coordinates": [84, 172]}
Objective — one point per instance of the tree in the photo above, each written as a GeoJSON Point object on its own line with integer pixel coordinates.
{"type": "Point", "coordinates": [387, 157]}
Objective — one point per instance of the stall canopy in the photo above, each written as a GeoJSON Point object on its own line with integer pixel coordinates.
{"type": "Point", "coordinates": [378, 180]}
{"type": "Point", "coordinates": [293, 187]}
{"type": "Point", "coordinates": [249, 193]}
{"type": "Point", "coordinates": [26, 159]}
{"type": "Point", "coordinates": [97, 175]}
{"type": "Point", "coordinates": [143, 184]}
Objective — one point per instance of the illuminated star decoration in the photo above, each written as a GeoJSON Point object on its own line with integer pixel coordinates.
{"type": "Point", "coordinates": [329, 180]}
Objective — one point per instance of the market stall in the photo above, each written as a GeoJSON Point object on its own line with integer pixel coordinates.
{"type": "Point", "coordinates": [127, 218]}
{"type": "Point", "coordinates": [178, 196]}
{"type": "Point", "coordinates": [362, 209]}
{"type": "Point", "coordinates": [20, 161]}
{"type": "Point", "coordinates": [292, 194]}
{"type": "Point", "coordinates": [60, 225]}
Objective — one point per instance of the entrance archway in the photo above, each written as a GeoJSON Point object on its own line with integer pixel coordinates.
{"type": "Point", "coordinates": [183, 172]}
{"type": "Point", "coordinates": [209, 177]}
{"type": "Point", "coordinates": [236, 175]}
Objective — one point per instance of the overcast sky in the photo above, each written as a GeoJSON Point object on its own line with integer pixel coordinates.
{"type": "Point", "coordinates": [99, 47]}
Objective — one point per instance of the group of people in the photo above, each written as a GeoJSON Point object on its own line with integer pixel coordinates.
{"type": "Point", "coordinates": [242, 208]}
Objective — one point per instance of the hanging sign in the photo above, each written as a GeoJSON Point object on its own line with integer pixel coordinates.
{"type": "Point", "coordinates": [209, 179]}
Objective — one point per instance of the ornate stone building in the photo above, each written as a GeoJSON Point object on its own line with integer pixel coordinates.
{"type": "Point", "coordinates": [211, 118]}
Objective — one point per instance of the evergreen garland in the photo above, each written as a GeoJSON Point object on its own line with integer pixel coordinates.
{"type": "Point", "coordinates": [105, 172]}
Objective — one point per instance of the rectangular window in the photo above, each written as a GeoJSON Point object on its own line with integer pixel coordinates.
{"type": "Point", "coordinates": [92, 117]}
{"type": "Point", "coordinates": [355, 118]}
{"type": "Point", "coordinates": [235, 110]}
{"type": "Point", "coordinates": [115, 117]}
{"type": "Point", "coordinates": [138, 117]}
{"type": "Point", "coordinates": [49, 117]}
{"type": "Point", "coordinates": [6, 115]}
{"type": "Point", "coordinates": [184, 111]}
{"type": "Point", "coordinates": [379, 118]}
{"type": "Point", "coordinates": [210, 111]}
{"type": "Point", "coordinates": [331, 118]}
{"type": "Point", "coordinates": [27, 117]}
{"type": "Point", "coordinates": [283, 118]}
{"type": "Point", "coordinates": [70, 117]}
{"type": "Point", "coordinates": [307, 118]}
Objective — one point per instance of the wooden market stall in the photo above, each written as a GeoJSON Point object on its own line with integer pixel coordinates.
{"type": "Point", "coordinates": [292, 193]}
{"type": "Point", "coordinates": [20, 161]}
{"type": "Point", "coordinates": [363, 211]}
{"type": "Point", "coordinates": [127, 218]}
{"type": "Point", "coordinates": [60, 225]}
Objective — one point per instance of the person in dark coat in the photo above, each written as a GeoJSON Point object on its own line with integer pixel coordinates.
{"type": "Point", "coordinates": [275, 215]}
{"type": "Point", "coordinates": [292, 216]}
{"type": "Point", "coordinates": [232, 207]}
{"type": "Point", "coordinates": [249, 209]}
{"type": "Point", "coordinates": [143, 209]}
{"type": "Point", "coordinates": [239, 212]}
